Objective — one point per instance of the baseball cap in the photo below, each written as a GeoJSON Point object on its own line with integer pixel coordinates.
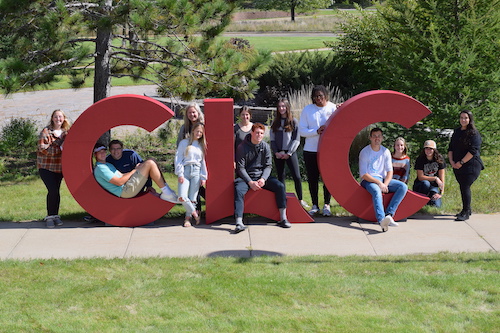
{"type": "Point", "coordinates": [99, 148]}
{"type": "Point", "coordinates": [430, 144]}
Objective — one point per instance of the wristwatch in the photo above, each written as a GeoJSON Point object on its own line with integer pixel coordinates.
{"type": "Point", "coordinates": [462, 162]}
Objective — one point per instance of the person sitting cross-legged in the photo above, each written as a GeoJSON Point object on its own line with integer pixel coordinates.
{"type": "Point", "coordinates": [128, 185]}
{"type": "Point", "coordinates": [253, 167]}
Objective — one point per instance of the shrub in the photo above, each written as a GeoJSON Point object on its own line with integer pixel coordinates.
{"type": "Point", "coordinates": [291, 71]}
{"type": "Point", "coordinates": [19, 137]}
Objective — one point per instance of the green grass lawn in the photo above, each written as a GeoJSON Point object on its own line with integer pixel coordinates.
{"type": "Point", "coordinates": [24, 200]}
{"type": "Point", "coordinates": [432, 293]}
{"type": "Point", "coordinates": [286, 43]}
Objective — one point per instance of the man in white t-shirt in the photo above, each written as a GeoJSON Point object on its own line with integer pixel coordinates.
{"type": "Point", "coordinates": [375, 171]}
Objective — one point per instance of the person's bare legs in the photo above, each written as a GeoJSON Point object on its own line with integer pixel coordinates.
{"type": "Point", "coordinates": [149, 168]}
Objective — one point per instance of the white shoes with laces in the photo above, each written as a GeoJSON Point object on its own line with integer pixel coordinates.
{"type": "Point", "coordinates": [314, 210]}
{"type": "Point", "coordinates": [326, 210]}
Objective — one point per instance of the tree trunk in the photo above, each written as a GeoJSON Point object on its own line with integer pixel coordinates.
{"type": "Point", "coordinates": [292, 11]}
{"type": "Point", "coordinates": [102, 71]}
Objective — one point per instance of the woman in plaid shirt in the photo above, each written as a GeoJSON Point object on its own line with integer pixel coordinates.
{"type": "Point", "coordinates": [48, 160]}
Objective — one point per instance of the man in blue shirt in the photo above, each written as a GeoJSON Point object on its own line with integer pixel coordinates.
{"type": "Point", "coordinates": [128, 185]}
{"type": "Point", "coordinates": [125, 160]}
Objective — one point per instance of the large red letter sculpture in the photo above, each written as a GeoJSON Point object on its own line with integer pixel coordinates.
{"type": "Point", "coordinates": [219, 117]}
{"type": "Point", "coordinates": [110, 112]}
{"type": "Point", "coordinates": [333, 157]}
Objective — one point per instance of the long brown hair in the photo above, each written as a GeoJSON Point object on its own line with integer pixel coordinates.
{"type": "Point", "coordinates": [289, 125]}
{"type": "Point", "coordinates": [436, 155]}
{"type": "Point", "coordinates": [470, 130]}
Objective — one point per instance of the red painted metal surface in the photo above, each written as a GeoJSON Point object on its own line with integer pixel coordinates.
{"type": "Point", "coordinates": [341, 129]}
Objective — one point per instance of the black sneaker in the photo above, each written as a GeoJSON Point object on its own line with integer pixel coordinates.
{"type": "Point", "coordinates": [284, 224]}
{"type": "Point", "coordinates": [462, 217]}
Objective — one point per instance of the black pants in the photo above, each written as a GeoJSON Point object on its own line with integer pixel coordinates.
{"type": "Point", "coordinates": [52, 181]}
{"type": "Point", "coordinates": [241, 188]}
{"type": "Point", "coordinates": [311, 162]}
{"type": "Point", "coordinates": [293, 165]}
{"type": "Point", "coordinates": [465, 181]}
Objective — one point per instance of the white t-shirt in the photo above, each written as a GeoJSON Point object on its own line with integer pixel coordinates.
{"type": "Point", "coordinates": [375, 163]}
{"type": "Point", "coordinates": [312, 118]}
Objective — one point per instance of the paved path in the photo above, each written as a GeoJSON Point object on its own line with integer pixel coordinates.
{"type": "Point", "coordinates": [40, 104]}
{"type": "Point", "coordinates": [328, 236]}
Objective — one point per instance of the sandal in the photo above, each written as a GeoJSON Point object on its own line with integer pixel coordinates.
{"type": "Point", "coordinates": [187, 223]}
{"type": "Point", "coordinates": [197, 219]}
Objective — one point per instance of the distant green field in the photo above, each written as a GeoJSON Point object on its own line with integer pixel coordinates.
{"type": "Point", "coordinates": [287, 43]}
{"type": "Point", "coordinates": [273, 44]}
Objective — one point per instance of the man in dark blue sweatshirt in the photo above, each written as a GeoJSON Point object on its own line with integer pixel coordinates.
{"type": "Point", "coordinates": [125, 160]}
{"type": "Point", "coordinates": [253, 168]}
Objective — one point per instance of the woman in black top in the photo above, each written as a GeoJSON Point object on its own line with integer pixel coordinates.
{"type": "Point", "coordinates": [285, 140]}
{"type": "Point", "coordinates": [464, 156]}
{"type": "Point", "coordinates": [430, 167]}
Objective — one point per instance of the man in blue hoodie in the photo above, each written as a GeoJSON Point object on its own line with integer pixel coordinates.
{"type": "Point", "coordinates": [253, 168]}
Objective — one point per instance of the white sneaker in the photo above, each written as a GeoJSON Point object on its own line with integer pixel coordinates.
{"type": "Point", "coordinates": [304, 204]}
{"type": "Point", "coordinates": [393, 223]}
{"type": "Point", "coordinates": [385, 223]}
{"type": "Point", "coordinates": [326, 210]}
{"type": "Point", "coordinates": [314, 210]}
{"type": "Point", "coordinates": [170, 197]}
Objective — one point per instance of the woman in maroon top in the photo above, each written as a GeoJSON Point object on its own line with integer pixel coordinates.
{"type": "Point", "coordinates": [48, 160]}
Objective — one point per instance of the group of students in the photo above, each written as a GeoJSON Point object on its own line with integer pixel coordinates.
{"type": "Point", "coordinates": [463, 155]}
{"type": "Point", "coordinates": [124, 174]}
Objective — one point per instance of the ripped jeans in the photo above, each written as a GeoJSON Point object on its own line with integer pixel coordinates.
{"type": "Point", "coordinates": [188, 190]}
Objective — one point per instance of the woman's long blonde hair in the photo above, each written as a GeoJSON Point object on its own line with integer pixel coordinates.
{"type": "Point", "coordinates": [66, 123]}
{"type": "Point", "coordinates": [187, 123]}
{"type": "Point", "coordinates": [201, 141]}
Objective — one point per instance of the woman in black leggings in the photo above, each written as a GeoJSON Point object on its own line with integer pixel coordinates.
{"type": "Point", "coordinates": [464, 156]}
{"type": "Point", "coordinates": [285, 140]}
{"type": "Point", "coordinates": [49, 158]}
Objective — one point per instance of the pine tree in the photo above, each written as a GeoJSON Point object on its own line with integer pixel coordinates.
{"type": "Point", "coordinates": [442, 52]}
{"type": "Point", "coordinates": [172, 43]}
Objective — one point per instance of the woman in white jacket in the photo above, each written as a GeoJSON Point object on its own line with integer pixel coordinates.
{"type": "Point", "coordinates": [191, 171]}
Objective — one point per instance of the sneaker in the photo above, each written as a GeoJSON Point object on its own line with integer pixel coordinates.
{"type": "Point", "coordinates": [170, 197]}
{"type": "Point", "coordinates": [393, 223]}
{"type": "Point", "coordinates": [239, 228]}
{"type": "Point", "coordinates": [57, 220]}
{"type": "Point", "coordinates": [385, 223]}
{"type": "Point", "coordinates": [284, 224]}
{"type": "Point", "coordinates": [304, 204]}
{"type": "Point", "coordinates": [314, 210]}
{"type": "Point", "coordinates": [462, 217]}
{"type": "Point", "coordinates": [49, 222]}
{"type": "Point", "coordinates": [326, 210]}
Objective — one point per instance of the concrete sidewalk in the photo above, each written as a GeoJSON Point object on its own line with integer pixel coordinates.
{"type": "Point", "coordinates": [340, 236]}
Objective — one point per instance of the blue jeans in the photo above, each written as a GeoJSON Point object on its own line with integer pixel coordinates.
{"type": "Point", "coordinates": [395, 186]}
{"type": "Point", "coordinates": [188, 190]}
{"type": "Point", "coordinates": [425, 187]}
